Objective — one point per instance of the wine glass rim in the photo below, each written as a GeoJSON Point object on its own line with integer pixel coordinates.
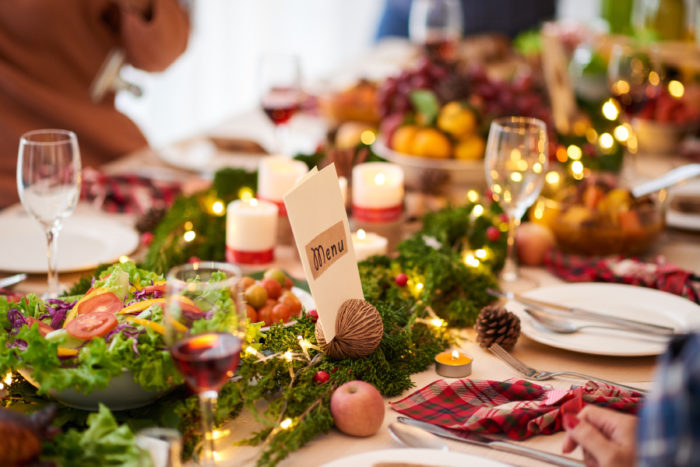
{"type": "Point", "coordinates": [508, 124]}
{"type": "Point", "coordinates": [233, 270]}
{"type": "Point", "coordinates": [28, 137]}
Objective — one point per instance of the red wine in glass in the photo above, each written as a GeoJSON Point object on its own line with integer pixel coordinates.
{"type": "Point", "coordinates": [207, 361]}
{"type": "Point", "coordinates": [280, 104]}
{"type": "Point", "coordinates": [441, 48]}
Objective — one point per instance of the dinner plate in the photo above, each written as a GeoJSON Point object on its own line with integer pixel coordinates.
{"type": "Point", "coordinates": [680, 219]}
{"type": "Point", "coordinates": [307, 303]}
{"type": "Point", "coordinates": [83, 243]}
{"type": "Point", "coordinates": [414, 458]}
{"type": "Point", "coordinates": [624, 301]}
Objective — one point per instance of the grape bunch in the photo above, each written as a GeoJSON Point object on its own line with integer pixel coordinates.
{"type": "Point", "coordinates": [394, 94]}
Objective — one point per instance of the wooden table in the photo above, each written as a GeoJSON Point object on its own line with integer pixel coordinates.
{"type": "Point", "coordinates": [681, 248]}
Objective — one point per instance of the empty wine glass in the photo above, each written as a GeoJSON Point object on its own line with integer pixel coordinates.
{"type": "Point", "coordinates": [280, 92]}
{"type": "Point", "coordinates": [48, 182]}
{"type": "Point", "coordinates": [516, 161]}
{"type": "Point", "coordinates": [205, 321]}
{"type": "Point", "coordinates": [437, 26]}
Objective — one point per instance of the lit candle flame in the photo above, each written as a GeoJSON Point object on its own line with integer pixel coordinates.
{"type": "Point", "coordinates": [380, 179]}
{"type": "Point", "coordinates": [361, 234]}
{"type": "Point", "coordinates": [455, 354]}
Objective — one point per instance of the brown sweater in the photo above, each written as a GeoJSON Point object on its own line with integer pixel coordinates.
{"type": "Point", "coordinates": [50, 52]}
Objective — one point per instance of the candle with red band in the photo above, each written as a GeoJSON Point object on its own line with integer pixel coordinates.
{"type": "Point", "coordinates": [377, 192]}
{"type": "Point", "coordinates": [276, 176]}
{"type": "Point", "coordinates": [251, 230]}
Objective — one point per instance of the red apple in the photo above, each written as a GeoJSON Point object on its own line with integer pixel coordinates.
{"type": "Point", "coordinates": [357, 408]}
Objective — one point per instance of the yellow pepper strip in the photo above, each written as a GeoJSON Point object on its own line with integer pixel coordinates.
{"type": "Point", "coordinates": [65, 352]}
{"type": "Point", "coordinates": [176, 324]}
{"type": "Point", "coordinates": [140, 306]}
{"type": "Point", "coordinates": [159, 328]}
{"type": "Point", "coordinates": [74, 311]}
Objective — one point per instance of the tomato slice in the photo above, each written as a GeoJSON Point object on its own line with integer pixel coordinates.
{"type": "Point", "coordinates": [89, 325]}
{"type": "Point", "coordinates": [154, 288]}
{"type": "Point", "coordinates": [105, 302]}
{"type": "Point", "coordinates": [44, 328]}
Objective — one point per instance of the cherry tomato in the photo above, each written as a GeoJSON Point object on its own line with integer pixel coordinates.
{"type": "Point", "coordinates": [149, 289]}
{"type": "Point", "coordinates": [44, 328]}
{"type": "Point", "coordinates": [104, 302]}
{"type": "Point", "coordinates": [90, 325]}
{"type": "Point", "coordinates": [265, 315]}
{"type": "Point", "coordinates": [246, 282]}
{"type": "Point", "coordinates": [272, 286]}
{"type": "Point", "coordinates": [292, 301]}
{"type": "Point", "coordinates": [252, 314]}
{"type": "Point", "coordinates": [281, 313]}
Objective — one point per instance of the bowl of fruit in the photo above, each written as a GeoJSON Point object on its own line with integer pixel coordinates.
{"type": "Point", "coordinates": [598, 216]}
{"type": "Point", "coordinates": [663, 122]}
{"type": "Point", "coordinates": [273, 298]}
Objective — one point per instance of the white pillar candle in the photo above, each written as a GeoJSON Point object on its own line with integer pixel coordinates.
{"type": "Point", "coordinates": [343, 183]}
{"type": "Point", "coordinates": [368, 244]}
{"type": "Point", "coordinates": [377, 192]}
{"type": "Point", "coordinates": [276, 176]}
{"type": "Point", "coordinates": [251, 230]}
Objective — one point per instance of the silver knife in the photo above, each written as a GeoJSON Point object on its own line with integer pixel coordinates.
{"type": "Point", "coordinates": [498, 445]}
{"type": "Point", "coordinates": [12, 280]}
{"type": "Point", "coordinates": [583, 313]}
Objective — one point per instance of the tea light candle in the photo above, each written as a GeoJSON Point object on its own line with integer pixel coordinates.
{"type": "Point", "coordinates": [377, 192]}
{"type": "Point", "coordinates": [276, 176]}
{"type": "Point", "coordinates": [368, 244]}
{"type": "Point", "coordinates": [251, 230]}
{"type": "Point", "coordinates": [453, 364]}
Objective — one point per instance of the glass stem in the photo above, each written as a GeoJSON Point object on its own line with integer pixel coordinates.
{"type": "Point", "coordinates": [51, 240]}
{"type": "Point", "coordinates": [207, 402]}
{"type": "Point", "coordinates": [510, 269]}
{"type": "Point", "coordinates": [281, 134]}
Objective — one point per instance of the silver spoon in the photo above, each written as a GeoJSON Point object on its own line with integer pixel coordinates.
{"type": "Point", "coordinates": [414, 437]}
{"type": "Point", "coordinates": [564, 326]}
{"type": "Point", "coordinates": [668, 179]}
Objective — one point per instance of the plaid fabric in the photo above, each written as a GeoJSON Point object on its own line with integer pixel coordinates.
{"type": "Point", "coordinates": [669, 426]}
{"type": "Point", "coordinates": [126, 192]}
{"type": "Point", "coordinates": [519, 409]}
{"type": "Point", "coordinates": [656, 275]}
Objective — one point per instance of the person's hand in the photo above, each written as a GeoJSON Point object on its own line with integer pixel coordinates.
{"type": "Point", "coordinates": [607, 438]}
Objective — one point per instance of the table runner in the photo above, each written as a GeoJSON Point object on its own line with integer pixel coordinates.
{"type": "Point", "coordinates": [517, 408]}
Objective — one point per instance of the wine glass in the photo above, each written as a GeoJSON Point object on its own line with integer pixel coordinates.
{"type": "Point", "coordinates": [280, 92]}
{"type": "Point", "coordinates": [48, 182]}
{"type": "Point", "coordinates": [437, 26]}
{"type": "Point", "coordinates": [633, 76]}
{"type": "Point", "coordinates": [205, 322]}
{"type": "Point", "coordinates": [516, 162]}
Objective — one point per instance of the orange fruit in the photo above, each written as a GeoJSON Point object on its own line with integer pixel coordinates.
{"type": "Point", "coordinates": [457, 120]}
{"type": "Point", "coordinates": [470, 149]}
{"type": "Point", "coordinates": [402, 141]}
{"type": "Point", "coordinates": [430, 142]}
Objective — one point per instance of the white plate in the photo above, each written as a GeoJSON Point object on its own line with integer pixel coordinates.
{"type": "Point", "coordinates": [83, 243]}
{"type": "Point", "coordinates": [624, 301]}
{"type": "Point", "coordinates": [414, 456]}
{"type": "Point", "coordinates": [307, 303]}
{"type": "Point", "coordinates": [684, 220]}
{"type": "Point", "coordinates": [122, 394]}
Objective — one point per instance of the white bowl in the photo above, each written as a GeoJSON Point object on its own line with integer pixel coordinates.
{"type": "Point", "coordinates": [123, 393]}
{"type": "Point", "coordinates": [453, 177]}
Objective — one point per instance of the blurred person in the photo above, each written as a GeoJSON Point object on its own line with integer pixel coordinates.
{"type": "Point", "coordinates": [50, 53]}
{"type": "Point", "coordinates": [508, 17]}
{"type": "Point", "coordinates": [667, 431]}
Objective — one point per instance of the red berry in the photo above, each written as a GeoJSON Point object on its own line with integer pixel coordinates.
{"type": "Point", "coordinates": [194, 259]}
{"type": "Point", "coordinates": [321, 377]}
{"type": "Point", "coordinates": [147, 238]}
{"type": "Point", "coordinates": [503, 217]}
{"type": "Point", "coordinates": [313, 314]}
{"type": "Point", "coordinates": [493, 234]}
{"type": "Point", "coordinates": [401, 280]}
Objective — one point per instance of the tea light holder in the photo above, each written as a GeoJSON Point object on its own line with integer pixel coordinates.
{"type": "Point", "coordinates": [276, 176]}
{"type": "Point", "coordinates": [251, 230]}
{"type": "Point", "coordinates": [377, 199]}
{"type": "Point", "coordinates": [453, 364]}
{"type": "Point", "coordinates": [368, 244]}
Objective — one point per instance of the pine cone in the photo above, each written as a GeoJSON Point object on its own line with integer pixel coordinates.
{"type": "Point", "coordinates": [497, 325]}
{"type": "Point", "coordinates": [150, 220]}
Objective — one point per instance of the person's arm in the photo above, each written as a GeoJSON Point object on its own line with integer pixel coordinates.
{"type": "Point", "coordinates": [608, 438]}
{"type": "Point", "coordinates": [153, 32]}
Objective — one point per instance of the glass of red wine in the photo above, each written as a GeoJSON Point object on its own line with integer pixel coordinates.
{"type": "Point", "coordinates": [280, 92]}
{"type": "Point", "coordinates": [634, 77]}
{"type": "Point", "coordinates": [437, 26]}
{"type": "Point", "coordinates": [205, 323]}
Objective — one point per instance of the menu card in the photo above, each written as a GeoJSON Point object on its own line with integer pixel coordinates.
{"type": "Point", "coordinates": [322, 234]}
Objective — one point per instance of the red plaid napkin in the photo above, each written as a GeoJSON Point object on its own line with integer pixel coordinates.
{"type": "Point", "coordinates": [127, 192]}
{"type": "Point", "coordinates": [656, 275]}
{"type": "Point", "coordinates": [519, 409]}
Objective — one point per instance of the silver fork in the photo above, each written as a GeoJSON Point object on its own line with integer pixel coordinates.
{"type": "Point", "coordinates": [539, 375]}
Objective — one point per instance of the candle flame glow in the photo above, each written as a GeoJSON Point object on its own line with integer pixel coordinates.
{"type": "Point", "coordinates": [455, 354]}
{"type": "Point", "coordinates": [253, 202]}
{"type": "Point", "coordinates": [380, 179]}
{"type": "Point", "coordinates": [361, 234]}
